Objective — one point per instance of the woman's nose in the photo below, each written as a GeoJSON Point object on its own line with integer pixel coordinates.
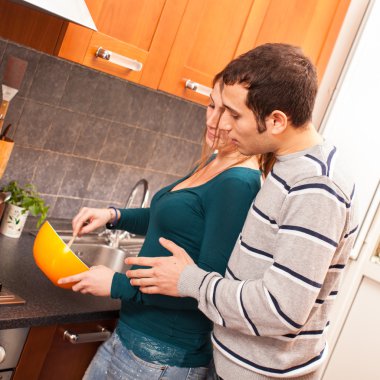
{"type": "Point", "coordinates": [225, 123]}
{"type": "Point", "coordinates": [213, 120]}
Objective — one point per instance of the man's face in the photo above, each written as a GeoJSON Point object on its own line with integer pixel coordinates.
{"type": "Point", "coordinates": [241, 124]}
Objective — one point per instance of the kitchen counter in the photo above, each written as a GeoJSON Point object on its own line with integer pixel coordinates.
{"type": "Point", "coordinates": [46, 304]}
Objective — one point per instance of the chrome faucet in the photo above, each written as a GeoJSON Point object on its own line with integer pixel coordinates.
{"type": "Point", "coordinates": [145, 196]}
{"type": "Point", "coordinates": [115, 236]}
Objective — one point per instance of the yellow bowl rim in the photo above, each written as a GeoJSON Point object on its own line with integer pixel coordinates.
{"type": "Point", "coordinates": [78, 258]}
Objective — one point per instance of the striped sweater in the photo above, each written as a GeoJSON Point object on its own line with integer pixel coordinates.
{"type": "Point", "coordinates": [272, 308]}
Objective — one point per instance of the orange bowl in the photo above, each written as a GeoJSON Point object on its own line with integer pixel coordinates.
{"type": "Point", "coordinates": [54, 257]}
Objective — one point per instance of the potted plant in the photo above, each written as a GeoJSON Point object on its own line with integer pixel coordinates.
{"type": "Point", "coordinates": [22, 201]}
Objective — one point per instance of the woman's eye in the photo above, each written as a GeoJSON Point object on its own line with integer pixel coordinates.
{"type": "Point", "coordinates": [211, 106]}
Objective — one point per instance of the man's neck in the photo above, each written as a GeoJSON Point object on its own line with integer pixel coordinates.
{"type": "Point", "coordinates": [298, 139]}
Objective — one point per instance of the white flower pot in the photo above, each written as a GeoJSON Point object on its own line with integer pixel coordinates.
{"type": "Point", "coordinates": [13, 221]}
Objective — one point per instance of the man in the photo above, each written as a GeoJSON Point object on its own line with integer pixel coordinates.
{"type": "Point", "coordinates": [271, 310]}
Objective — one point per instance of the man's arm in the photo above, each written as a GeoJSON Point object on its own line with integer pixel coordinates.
{"type": "Point", "coordinates": [281, 301]}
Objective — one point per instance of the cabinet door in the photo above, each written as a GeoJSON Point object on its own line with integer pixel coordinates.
{"type": "Point", "coordinates": [214, 32]}
{"type": "Point", "coordinates": [206, 40]}
{"type": "Point", "coordinates": [141, 30]}
{"type": "Point", "coordinates": [47, 355]}
{"type": "Point", "coordinates": [312, 24]}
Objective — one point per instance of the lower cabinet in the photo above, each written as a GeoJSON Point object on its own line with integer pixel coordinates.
{"type": "Point", "coordinates": [61, 351]}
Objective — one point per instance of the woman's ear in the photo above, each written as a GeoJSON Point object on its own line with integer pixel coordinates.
{"type": "Point", "coordinates": [278, 122]}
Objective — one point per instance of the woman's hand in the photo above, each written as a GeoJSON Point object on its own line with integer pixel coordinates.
{"type": "Point", "coordinates": [89, 219]}
{"type": "Point", "coordinates": [96, 281]}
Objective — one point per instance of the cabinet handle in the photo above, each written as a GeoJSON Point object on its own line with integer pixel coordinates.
{"type": "Point", "coordinates": [199, 88]}
{"type": "Point", "coordinates": [99, 336]}
{"type": "Point", "coordinates": [118, 59]}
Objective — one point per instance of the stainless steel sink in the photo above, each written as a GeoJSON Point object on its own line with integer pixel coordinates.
{"type": "Point", "coordinates": [101, 254]}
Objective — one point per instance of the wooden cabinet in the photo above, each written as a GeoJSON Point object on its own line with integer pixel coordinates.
{"type": "Point", "coordinates": [176, 40]}
{"type": "Point", "coordinates": [214, 32]}
{"type": "Point", "coordinates": [142, 30]}
{"type": "Point", "coordinates": [47, 355]}
{"type": "Point", "coordinates": [30, 27]}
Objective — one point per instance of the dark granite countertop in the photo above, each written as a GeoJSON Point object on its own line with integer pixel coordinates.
{"type": "Point", "coordinates": [46, 304]}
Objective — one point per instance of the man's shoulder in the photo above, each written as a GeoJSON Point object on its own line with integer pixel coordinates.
{"type": "Point", "coordinates": [318, 167]}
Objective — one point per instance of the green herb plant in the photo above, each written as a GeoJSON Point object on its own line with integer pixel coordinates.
{"type": "Point", "coordinates": [27, 198]}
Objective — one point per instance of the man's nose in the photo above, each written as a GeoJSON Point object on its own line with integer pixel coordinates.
{"type": "Point", "coordinates": [225, 122]}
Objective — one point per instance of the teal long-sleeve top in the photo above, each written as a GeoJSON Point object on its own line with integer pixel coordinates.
{"type": "Point", "coordinates": [204, 220]}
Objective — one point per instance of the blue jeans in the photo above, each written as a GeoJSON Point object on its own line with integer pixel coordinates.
{"type": "Point", "coordinates": [113, 361]}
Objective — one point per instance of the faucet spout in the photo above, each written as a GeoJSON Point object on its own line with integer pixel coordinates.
{"type": "Point", "coordinates": [115, 236]}
{"type": "Point", "coordinates": [145, 194]}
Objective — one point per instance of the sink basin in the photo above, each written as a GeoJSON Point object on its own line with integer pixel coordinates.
{"type": "Point", "coordinates": [101, 254]}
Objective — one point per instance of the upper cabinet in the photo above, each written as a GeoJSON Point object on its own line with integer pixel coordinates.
{"type": "Point", "coordinates": [142, 30]}
{"type": "Point", "coordinates": [214, 32]}
{"type": "Point", "coordinates": [180, 40]}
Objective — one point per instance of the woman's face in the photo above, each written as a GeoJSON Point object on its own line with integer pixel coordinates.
{"type": "Point", "coordinates": [215, 137]}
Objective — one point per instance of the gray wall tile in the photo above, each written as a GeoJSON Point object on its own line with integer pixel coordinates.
{"type": "Point", "coordinates": [175, 119]}
{"type": "Point", "coordinates": [80, 89]}
{"type": "Point", "coordinates": [50, 79]}
{"type": "Point", "coordinates": [21, 166]}
{"type": "Point", "coordinates": [108, 101]}
{"type": "Point", "coordinates": [185, 158]}
{"type": "Point", "coordinates": [153, 111]}
{"type": "Point", "coordinates": [102, 181]}
{"type": "Point", "coordinates": [78, 173]}
{"type": "Point", "coordinates": [66, 207]}
{"type": "Point", "coordinates": [92, 137]}
{"type": "Point", "coordinates": [129, 103]}
{"type": "Point", "coordinates": [128, 177]}
{"type": "Point", "coordinates": [64, 131]}
{"type": "Point", "coordinates": [97, 204]}
{"type": "Point", "coordinates": [141, 149]}
{"type": "Point", "coordinates": [34, 124]}
{"type": "Point", "coordinates": [118, 142]}
{"type": "Point", "coordinates": [167, 156]}
{"type": "Point", "coordinates": [195, 125]}
{"type": "Point", "coordinates": [85, 138]}
{"type": "Point", "coordinates": [50, 172]}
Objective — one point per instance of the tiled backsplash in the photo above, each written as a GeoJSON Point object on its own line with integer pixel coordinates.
{"type": "Point", "coordinates": [84, 137]}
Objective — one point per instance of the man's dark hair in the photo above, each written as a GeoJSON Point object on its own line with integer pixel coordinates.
{"type": "Point", "coordinates": [278, 77]}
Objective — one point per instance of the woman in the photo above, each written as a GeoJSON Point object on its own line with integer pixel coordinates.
{"type": "Point", "coordinates": [158, 336]}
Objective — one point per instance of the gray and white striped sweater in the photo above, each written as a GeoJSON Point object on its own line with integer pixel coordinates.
{"type": "Point", "coordinates": [271, 310]}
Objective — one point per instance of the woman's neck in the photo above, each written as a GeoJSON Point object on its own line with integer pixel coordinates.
{"type": "Point", "coordinates": [228, 156]}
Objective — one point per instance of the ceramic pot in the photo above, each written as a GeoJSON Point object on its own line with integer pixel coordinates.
{"type": "Point", "coordinates": [13, 221]}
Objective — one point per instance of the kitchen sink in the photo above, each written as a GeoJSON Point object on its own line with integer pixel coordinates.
{"type": "Point", "coordinates": [97, 253]}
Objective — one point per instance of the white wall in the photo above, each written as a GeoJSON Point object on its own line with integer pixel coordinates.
{"type": "Point", "coordinates": [352, 121]}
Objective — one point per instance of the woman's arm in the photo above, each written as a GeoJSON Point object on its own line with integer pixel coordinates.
{"type": "Point", "coordinates": [226, 206]}
{"type": "Point", "coordinates": [134, 220]}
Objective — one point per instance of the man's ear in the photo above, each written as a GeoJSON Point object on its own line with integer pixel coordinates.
{"type": "Point", "coordinates": [277, 122]}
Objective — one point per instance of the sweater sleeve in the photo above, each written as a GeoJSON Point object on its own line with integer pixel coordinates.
{"type": "Point", "coordinates": [311, 228]}
{"type": "Point", "coordinates": [134, 220]}
{"type": "Point", "coordinates": [225, 206]}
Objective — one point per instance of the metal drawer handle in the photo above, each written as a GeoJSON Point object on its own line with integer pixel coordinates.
{"type": "Point", "coordinates": [118, 59]}
{"type": "Point", "coordinates": [199, 88]}
{"type": "Point", "coordinates": [99, 336]}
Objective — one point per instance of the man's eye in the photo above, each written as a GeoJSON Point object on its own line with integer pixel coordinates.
{"type": "Point", "coordinates": [211, 106]}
